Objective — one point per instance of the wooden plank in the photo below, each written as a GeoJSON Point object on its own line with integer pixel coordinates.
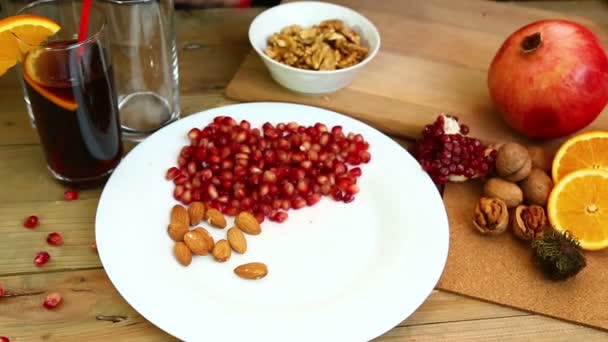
{"type": "Point", "coordinates": [74, 220]}
{"type": "Point", "coordinates": [91, 310]}
{"type": "Point", "coordinates": [90, 302]}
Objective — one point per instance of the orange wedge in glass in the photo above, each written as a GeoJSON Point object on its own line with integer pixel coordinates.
{"type": "Point", "coordinates": [582, 151]}
{"type": "Point", "coordinates": [31, 29]}
{"type": "Point", "coordinates": [579, 203]}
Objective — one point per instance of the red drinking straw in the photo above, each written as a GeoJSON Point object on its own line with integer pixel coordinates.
{"type": "Point", "coordinates": [85, 13]}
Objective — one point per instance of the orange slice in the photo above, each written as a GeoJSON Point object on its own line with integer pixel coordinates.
{"type": "Point", "coordinates": [579, 203]}
{"type": "Point", "coordinates": [61, 102]}
{"type": "Point", "coordinates": [586, 150]}
{"type": "Point", "coordinates": [32, 29]}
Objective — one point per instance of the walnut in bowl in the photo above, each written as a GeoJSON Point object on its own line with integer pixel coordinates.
{"type": "Point", "coordinates": [294, 60]}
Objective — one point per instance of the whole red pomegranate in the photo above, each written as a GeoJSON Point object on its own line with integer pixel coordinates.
{"type": "Point", "coordinates": [549, 78]}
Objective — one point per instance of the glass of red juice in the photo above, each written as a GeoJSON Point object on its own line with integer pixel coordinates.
{"type": "Point", "coordinates": [70, 95]}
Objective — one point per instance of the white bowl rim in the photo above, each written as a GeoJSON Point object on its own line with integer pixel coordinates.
{"type": "Point", "coordinates": [368, 58]}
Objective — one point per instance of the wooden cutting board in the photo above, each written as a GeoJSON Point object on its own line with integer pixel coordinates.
{"type": "Point", "coordinates": [433, 58]}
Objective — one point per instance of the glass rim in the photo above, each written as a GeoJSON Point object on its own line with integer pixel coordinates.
{"type": "Point", "coordinates": [90, 38]}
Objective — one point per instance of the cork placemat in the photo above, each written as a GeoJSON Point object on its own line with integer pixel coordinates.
{"type": "Point", "coordinates": [499, 269]}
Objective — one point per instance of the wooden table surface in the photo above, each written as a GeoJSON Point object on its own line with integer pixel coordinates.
{"type": "Point", "coordinates": [211, 46]}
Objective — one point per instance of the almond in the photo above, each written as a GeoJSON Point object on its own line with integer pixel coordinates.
{"type": "Point", "coordinates": [252, 270]}
{"type": "Point", "coordinates": [215, 218]}
{"type": "Point", "coordinates": [177, 230]}
{"type": "Point", "coordinates": [182, 253]}
{"type": "Point", "coordinates": [207, 236]}
{"type": "Point", "coordinates": [248, 223]}
{"type": "Point", "coordinates": [237, 240]}
{"type": "Point", "coordinates": [196, 241]}
{"type": "Point", "coordinates": [221, 251]}
{"type": "Point", "coordinates": [179, 214]}
{"type": "Point", "coordinates": [196, 211]}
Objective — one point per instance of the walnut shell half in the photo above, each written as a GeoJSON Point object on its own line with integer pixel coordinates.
{"type": "Point", "coordinates": [529, 222]}
{"type": "Point", "coordinates": [491, 216]}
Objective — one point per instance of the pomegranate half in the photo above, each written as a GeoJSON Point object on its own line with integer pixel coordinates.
{"type": "Point", "coordinates": [549, 79]}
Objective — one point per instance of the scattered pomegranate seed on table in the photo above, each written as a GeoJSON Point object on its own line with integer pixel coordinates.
{"type": "Point", "coordinates": [54, 239]}
{"type": "Point", "coordinates": [70, 195]}
{"type": "Point", "coordinates": [41, 258]}
{"type": "Point", "coordinates": [447, 154]}
{"type": "Point", "coordinates": [234, 167]}
{"type": "Point", "coordinates": [4, 339]}
{"type": "Point", "coordinates": [31, 222]}
{"type": "Point", "coordinates": [52, 300]}
{"type": "Point", "coordinates": [94, 246]}
{"type": "Point", "coordinates": [2, 291]}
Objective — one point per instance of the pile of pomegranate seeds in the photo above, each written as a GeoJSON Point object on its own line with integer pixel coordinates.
{"type": "Point", "coordinates": [52, 300]}
{"type": "Point", "coordinates": [41, 258]}
{"type": "Point", "coordinates": [234, 167]}
{"type": "Point", "coordinates": [31, 222]}
{"type": "Point", "coordinates": [447, 154]}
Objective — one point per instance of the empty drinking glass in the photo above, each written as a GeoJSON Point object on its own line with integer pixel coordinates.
{"type": "Point", "coordinates": [142, 37]}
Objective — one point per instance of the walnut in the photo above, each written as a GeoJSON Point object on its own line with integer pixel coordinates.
{"type": "Point", "coordinates": [513, 162]}
{"type": "Point", "coordinates": [491, 216]}
{"type": "Point", "coordinates": [540, 158]}
{"type": "Point", "coordinates": [529, 222]}
{"type": "Point", "coordinates": [328, 46]}
{"type": "Point", "coordinates": [509, 192]}
{"type": "Point", "coordinates": [536, 187]}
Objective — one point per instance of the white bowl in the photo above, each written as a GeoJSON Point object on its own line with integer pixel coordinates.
{"type": "Point", "coordinates": [306, 14]}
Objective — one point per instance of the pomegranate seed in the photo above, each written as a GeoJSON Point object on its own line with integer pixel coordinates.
{"type": "Point", "coordinates": [337, 195]}
{"type": "Point", "coordinates": [298, 203]}
{"type": "Point", "coordinates": [339, 168]}
{"type": "Point", "coordinates": [2, 291]}
{"type": "Point", "coordinates": [212, 190]}
{"type": "Point", "coordinates": [178, 191]}
{"type": "Point", "coordinates": [264, 189]}
{"type": "Point", "coordinates": [231, 211]}
{"type": "Point", "coordinates": [348, 198]}
{"type": "Point", "coordinates": [31, 222]}
{"type": "Point", "coordinates": [313, 199]}
{"type": "Point", "coordinates": [172, 172]}
{"type": "Point", "coordinates": [288, 189]}
{"type": "Point", "coordinates": [70, 195]}
{"type": "Point", "coordinates": [41, 259]}
{"type": "Point", "coordinates": [54, 239]}
{"type": "Point", "coordinates": [259, 217]}
{"type": "Point", "coordinates": [336, 130]}
{"type": "Point", "coordinates": [187, 197]}
{"type": "Point", "coordinates": [4, 339]}
{"type": "Point", "coordinates": [355, 172]}
{"type": "Point", "coordinates": [194, 134]}
{"type": "Point", "coordinates": [245, 124]}
{"type": "Point", "coordinates": [352, 189]}
{"type": "Point", "coordinates": [302, 186]}
{"type": "Point", "coordinates": [180, 180]}
{"type": "Point", "coordinates": [269, 177]}
{"type": "Point", "coordinates": [52, 300]}
{"type": "Point", "coordinates": [326, 189]}
{"type": "Point", "coordinates": [279, 216]}
{"type": "Point", "coordinates": [94, 246]}
{"type": "Point", "coordinates": [322, 179]}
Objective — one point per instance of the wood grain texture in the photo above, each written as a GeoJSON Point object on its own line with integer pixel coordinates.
{"type": "Point", "coordinates": [212, 44]}
{"type": "Point", "coordinates": [433, 59]}
{"type": "Point", "coordinates": [92, 310]}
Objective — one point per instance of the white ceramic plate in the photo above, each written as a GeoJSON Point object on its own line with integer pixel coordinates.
{"type": "Point", "coordinates": [337, 272]}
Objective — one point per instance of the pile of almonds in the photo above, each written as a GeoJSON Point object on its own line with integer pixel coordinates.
{"type": "Point", "coordinates": [517, 195]}
{"type": "Point", "coordinates": [199, 241]}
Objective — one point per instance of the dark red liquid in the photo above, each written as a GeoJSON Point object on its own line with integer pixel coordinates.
{"type": "Point", "coordinates": [83, 142]}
